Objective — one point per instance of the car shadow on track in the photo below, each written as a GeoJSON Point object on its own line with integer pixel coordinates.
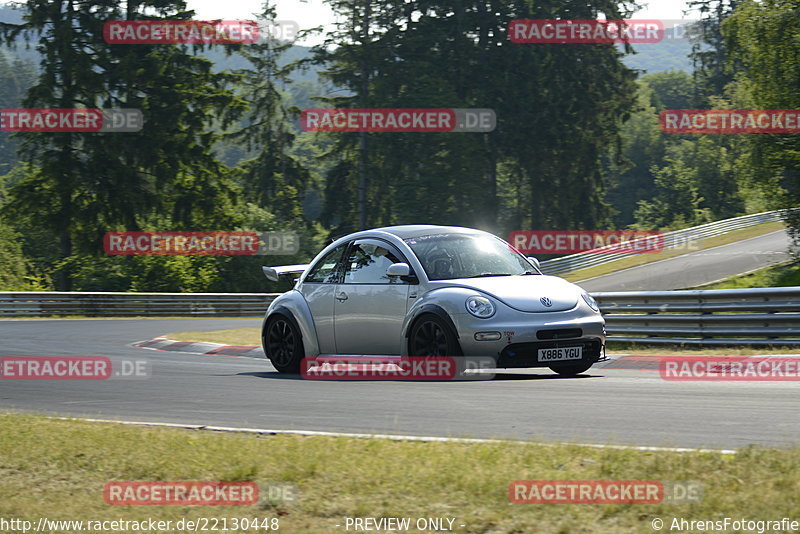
{"type": "Point", "coordinates": [527, 376]}
{"type": "Point", "coordinates": [272, 374]}
{"type": "Point", "coordinates": [498, 376]}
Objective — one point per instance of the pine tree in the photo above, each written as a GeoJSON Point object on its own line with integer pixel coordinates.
{"type": "Point", "coordinates": [82, 185]}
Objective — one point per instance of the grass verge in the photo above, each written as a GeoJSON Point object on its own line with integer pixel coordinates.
{"type": "Point", "coordinates": [616, 347]}
{"type": "Point", "coordinates": [641, 259]}
{"type": "Point", "coordinates": [57, 469]}
{"type": "Point", "coordinates": [231, 336]}
{"type": "Point", "coordinates": [782, 275]}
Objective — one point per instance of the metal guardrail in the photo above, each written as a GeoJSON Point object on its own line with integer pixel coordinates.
{"type": "Point", "coordinates": [110, 304]}
{"type": "Point", "coordinates": [768, 316]}
{"type": "Point", "coordinates": [705, 317]}
{"type": "Point", "coordinates": [685, 237]}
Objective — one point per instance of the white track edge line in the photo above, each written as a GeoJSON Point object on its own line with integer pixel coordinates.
{"type": "Point", "coordinates": [396, 437]}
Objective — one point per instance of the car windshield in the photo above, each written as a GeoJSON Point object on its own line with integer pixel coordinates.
{"type": "Point", "coordinates": [447, 256]}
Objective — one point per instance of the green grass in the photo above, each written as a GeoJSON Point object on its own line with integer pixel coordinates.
{"type": "Point", "coordinates": [231, 336]}
{"type": "Point", "coordinates": [57, 468]}
{"type": "Point", "coordinates": [642, 259]}
{"type": "Point", "coordinates": [616, 347]}
{"type": "Point", "coordinates": [782, 275]}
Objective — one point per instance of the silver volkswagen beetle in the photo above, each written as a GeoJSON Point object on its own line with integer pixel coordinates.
{"type": "Point", "coordinates": [424, 290]}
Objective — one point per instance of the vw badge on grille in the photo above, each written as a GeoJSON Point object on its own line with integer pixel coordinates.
{"type": "Point", "coordinates": [546, 301]}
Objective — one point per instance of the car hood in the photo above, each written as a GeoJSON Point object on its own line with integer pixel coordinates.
{"type": "Point", "coordinates": [524, 292]}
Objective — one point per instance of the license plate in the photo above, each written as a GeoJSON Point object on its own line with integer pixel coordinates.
{"type": "Point", "coordinates": [560, 354]}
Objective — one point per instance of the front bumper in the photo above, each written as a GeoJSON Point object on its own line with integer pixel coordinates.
{"type": "Point", "coordinates": [527, 354]}
{"type": "Point", "coordinates": [522, 335]}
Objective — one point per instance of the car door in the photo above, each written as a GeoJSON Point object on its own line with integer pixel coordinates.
{"type": "Point", "coordinates": [369, 305]}
{"type": "Point", "coordinates": [318, 288]}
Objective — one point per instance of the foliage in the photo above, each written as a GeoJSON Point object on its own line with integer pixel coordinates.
{"type": "Point", "coordinates": [764, 37]}
{"type": "Point", "coordinates": [16, 271]}
{"type": "Point", "coordinates": [558, 106]}
{"type": "Point", "coordinates": [577, 144]}
{"type": "Point", "coordinates": [16, 76]}
{"type": "Point", "coordinates": [82, 185]}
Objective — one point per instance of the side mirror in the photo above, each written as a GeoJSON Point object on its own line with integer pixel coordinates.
{"type": "Point", "coordinates": [398, 269]}
{"type": "Point", "coordinates": [535, 262]}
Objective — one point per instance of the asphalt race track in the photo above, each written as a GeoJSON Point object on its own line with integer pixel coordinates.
{"type": "Point", "coordinates": [697, 268]}
{"type": "Point", "coordinates": [633, 407]}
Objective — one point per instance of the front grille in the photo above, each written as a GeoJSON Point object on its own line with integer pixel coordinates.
{"type": "Point", "coordinates": [526, 354]}
{"type": "Point", "coordinates": [559, 333]}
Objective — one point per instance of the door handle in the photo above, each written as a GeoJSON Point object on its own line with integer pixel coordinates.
{"type": "Point", "coordinates": [341, 296]}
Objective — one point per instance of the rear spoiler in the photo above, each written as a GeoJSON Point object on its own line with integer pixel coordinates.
{"type": "Point", "coordinates": [273, 273]}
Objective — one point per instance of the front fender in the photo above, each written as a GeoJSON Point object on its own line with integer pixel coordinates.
{"type": "Point", "coordinates": [293, 304]}
{"type": "Point", "coordinates": [444, 302]}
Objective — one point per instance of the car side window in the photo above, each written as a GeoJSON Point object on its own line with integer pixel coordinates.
{"type": "Point", "coordinates": [367, 262]}
{"type": "Point", "coordinates": [326, 270]}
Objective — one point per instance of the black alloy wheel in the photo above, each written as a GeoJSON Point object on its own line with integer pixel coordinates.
{"type": "Point", "coordinates": [283, 344]}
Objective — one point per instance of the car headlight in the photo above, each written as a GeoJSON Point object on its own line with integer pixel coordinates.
{"type": "Point", "coordinates": [591, 302]}
{"type": "Point", "coordinates": [480, 307]}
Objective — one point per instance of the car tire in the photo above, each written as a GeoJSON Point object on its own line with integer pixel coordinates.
{"type": "Point", "coordinates": [283, 344]}
{"type": "Point", "coordinates": [572, 369]}
{"type": "Point", "coordinates": [432, 336]}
